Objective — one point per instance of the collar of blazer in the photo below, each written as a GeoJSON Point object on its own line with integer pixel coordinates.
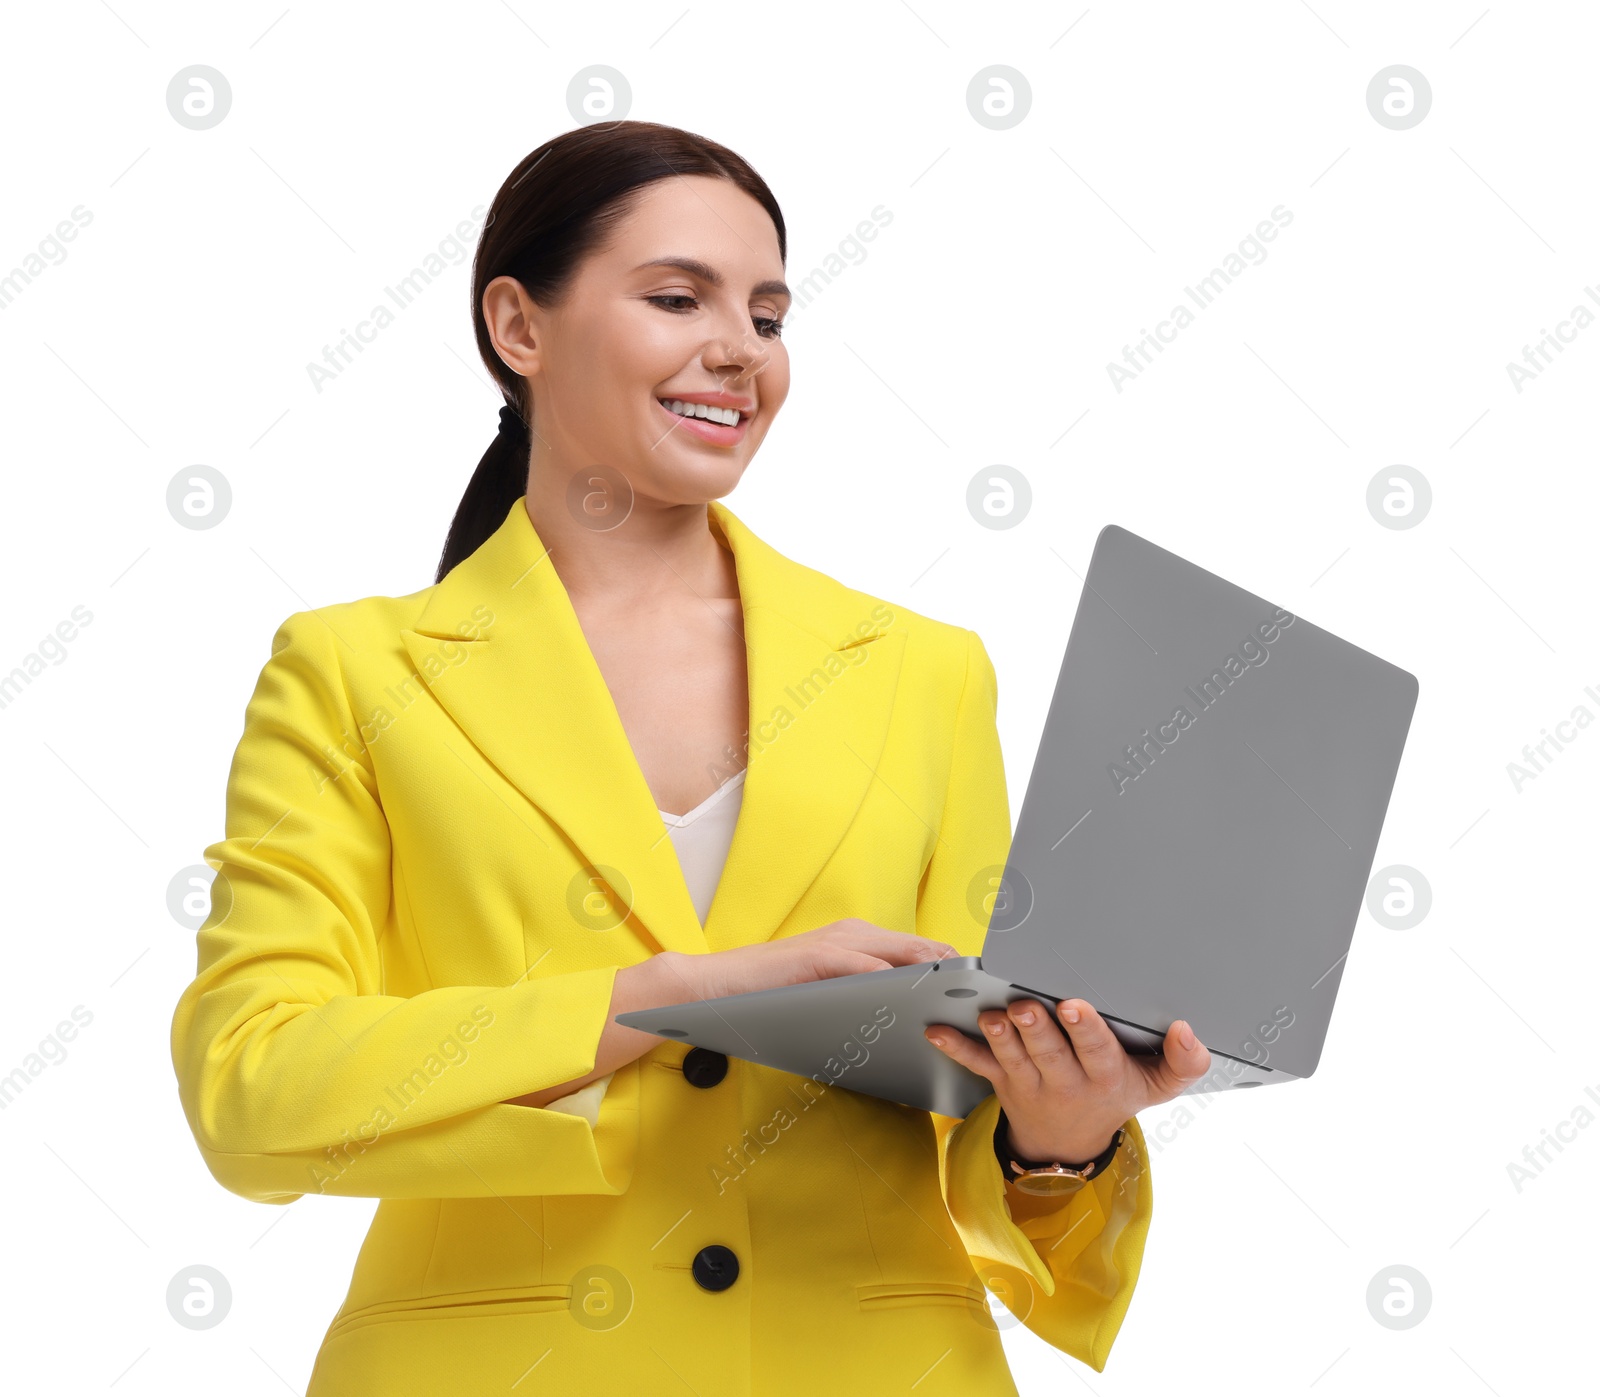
{"type": "Point", "coordinates": [532, 700]}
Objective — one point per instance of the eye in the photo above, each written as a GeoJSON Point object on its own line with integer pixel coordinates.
{"type": "Point", "coordinates": [767, 327]}
{"type": "Point", "coordinates": [672, 296]}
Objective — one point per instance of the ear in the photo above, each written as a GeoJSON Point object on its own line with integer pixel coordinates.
{"type": "Point", "coordinates": [515, 324]}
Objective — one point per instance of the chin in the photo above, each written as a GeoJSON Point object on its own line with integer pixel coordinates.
{"type": "Point", "coordinates": [700, 486]}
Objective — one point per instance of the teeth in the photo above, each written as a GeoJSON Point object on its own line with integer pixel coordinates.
{"type": "Point", "coordinates": [727, 416]}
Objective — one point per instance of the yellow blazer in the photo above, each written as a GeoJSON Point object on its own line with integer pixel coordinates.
{"type": "Point", "coordinates": [411, 923]}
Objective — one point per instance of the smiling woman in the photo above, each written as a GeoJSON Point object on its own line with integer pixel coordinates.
{"type": "Point", "coordinates": [625, 268]}
{"type": "Point", "coordinates": [575, 1199]}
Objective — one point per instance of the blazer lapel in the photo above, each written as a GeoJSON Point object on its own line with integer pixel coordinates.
{"type": "Point", "coordinates": [823, 676]}
{"type": "Point", "coordinates": [530, 697]}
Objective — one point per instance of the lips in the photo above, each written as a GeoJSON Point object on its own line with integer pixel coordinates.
{"type": "Point", "coordinates": [714, 433]}
{"type": "Point", "coordinates": [716, 407]}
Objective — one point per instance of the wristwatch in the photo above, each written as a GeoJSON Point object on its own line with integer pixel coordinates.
{"type": "Point", "coordinates": [1049, 1179]}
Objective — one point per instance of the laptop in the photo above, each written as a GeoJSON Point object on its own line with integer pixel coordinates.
{"type": "Point", "coordinates": [1195, 842]}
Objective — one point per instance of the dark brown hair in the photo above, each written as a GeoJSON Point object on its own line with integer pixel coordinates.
{"type": "Point", "coordinates": [555, 208]}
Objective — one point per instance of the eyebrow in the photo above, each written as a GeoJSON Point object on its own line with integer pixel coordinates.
{"type": "Point", "coordinates": [695, 267]}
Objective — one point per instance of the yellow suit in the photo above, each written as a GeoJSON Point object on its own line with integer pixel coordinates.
{"type": "Point", "coordinates": [411, 923]}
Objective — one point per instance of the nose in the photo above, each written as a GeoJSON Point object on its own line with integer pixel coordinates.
{"type": "Point", "coordinates": [736, 358]}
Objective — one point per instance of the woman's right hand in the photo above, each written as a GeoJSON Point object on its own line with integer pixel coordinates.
{"type": "Point", "coordinates": [847, 947]}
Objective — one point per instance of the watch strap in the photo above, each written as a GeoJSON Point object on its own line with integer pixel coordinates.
{"type": "Point", "coordinates": [1011, 1166]}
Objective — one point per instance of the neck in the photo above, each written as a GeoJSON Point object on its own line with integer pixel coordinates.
{"type": "Point", "coordinates": [660, 548]}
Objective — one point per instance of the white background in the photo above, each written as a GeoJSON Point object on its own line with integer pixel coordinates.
{"type": "Point", "coordinates": [977, 330]}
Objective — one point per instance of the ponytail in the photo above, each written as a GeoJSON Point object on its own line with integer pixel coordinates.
{"type": "Point", "coordinates": [500, 480]}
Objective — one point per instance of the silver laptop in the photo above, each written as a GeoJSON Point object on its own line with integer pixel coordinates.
{"type": "Point", "coordinates": [1195, 841]}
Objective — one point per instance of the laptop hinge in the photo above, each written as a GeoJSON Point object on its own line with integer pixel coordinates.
{"type": "Point", "coordinates": [1143, 1028]}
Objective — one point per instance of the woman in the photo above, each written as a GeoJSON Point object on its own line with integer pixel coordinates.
{"type": "Point", "coordinates": [469, 826]}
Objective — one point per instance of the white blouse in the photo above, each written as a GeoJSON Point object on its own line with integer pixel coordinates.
{"type": "Point", "coordinates": [702, 837]}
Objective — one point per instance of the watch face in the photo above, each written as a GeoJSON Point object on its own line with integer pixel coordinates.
{"type": "Point", "coordinates": [1049, 1185]}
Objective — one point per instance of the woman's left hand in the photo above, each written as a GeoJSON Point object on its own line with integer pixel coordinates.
{"type": "Point", "coordinates": [1065, 1094]}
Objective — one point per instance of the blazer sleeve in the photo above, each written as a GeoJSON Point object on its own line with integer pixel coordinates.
{"type": "Point", "coordinates": [1067, 1270]}
{"type": "Point", "coordinates": [296, 1072]}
